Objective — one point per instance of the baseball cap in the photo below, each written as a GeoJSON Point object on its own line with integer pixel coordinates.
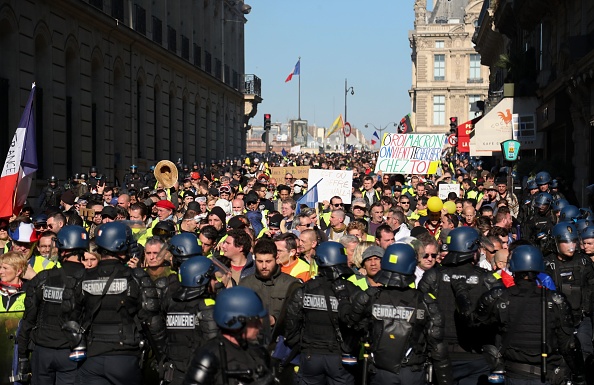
{"type": "Point", "coordinates": [489, 186]}
{"type": "Point", "coordinates": [110, 212]}
{"type": "Point", "coordinates": [275, 221]}
{"type": "Point", "coordinates": [372, 251]}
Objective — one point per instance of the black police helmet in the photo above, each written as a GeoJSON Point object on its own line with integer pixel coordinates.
{"type": "Point", "coordinates": [526, 258]}
{"type": "Point", "coordinates": [586, 213]}
{"type": "Point", "coordinates": [581, 224]}
{"type": "Point", "coordinates": [72, 237]}
{"type": "Point", "coordinates": [587, 233]}
{"type": "Point", "coordinates": [236, 306]}
{"type": "Point", "coordinates": [196, 272]}
{"type": "Point", "coordinates": [93, 169]}
{"type": "Point", "coordinates": [184, 245]}
{"type": "Point", "coordinates": [569, 214]}
{"type": "Point", "coordinates": [112, 236]}
{"type": "Point", "coordinates": [542, 177]}
{"type": "Point", "coordinates": [543, 199]}
{"type": "Point", "coordinates": [531, 184]}
{"type": "Point", "coordinates": [165, 229]}
{"type": "Point", "coordinates": [564, 232]}
{"type": "Point", "coordinates": [52, 179]}
{"type": "Point", "coordinates": [398, 266]}
{"type": "Point", "coordinates": [463, 243]}
{"type": "Point", "coordinates": [330, 253]}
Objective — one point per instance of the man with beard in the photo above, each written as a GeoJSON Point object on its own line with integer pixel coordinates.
{"type": "Point", "coordinates": [269, 282]}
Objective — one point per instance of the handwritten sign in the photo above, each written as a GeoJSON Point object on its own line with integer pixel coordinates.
{"type": "Point", "coordinates": [445, 189]}
{"type": "Point", "coordinates": [336, 182]}
{"type": "Point", "coordinates": [298, 172]}
{"type": "Point", "coordinates": [410, 153]}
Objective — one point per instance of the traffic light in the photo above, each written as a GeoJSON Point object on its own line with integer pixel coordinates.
{"type": "Point", "coordinates": [267, 122]}
{"type": "Point", "coordinates": [454, 125]}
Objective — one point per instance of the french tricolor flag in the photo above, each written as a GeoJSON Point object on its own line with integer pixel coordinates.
{"type": "Point", "coordinates": [20, 164]}
{"type": "Point", "coordinates": [296, 71]}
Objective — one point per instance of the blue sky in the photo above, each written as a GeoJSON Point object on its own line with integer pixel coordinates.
{"type": "Point", "coordinates": [363, 41]}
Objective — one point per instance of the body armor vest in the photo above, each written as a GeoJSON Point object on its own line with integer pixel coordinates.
{"type": "Point", "coordinates": [184, 329]}
{"type": "Point", "coordinates": [48, 325]}
{"type": "Point", "coordinates": [471, 339]}
{"type": "Point", "coordinates": [113, 327]}
{"type": "Point", "coordinates": [568, 277]}
{"type": "Point", "coordinates": [399, 318]}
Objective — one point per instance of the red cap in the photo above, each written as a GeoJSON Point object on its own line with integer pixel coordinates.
{"type": "Point", "coordinates": [165, 204]}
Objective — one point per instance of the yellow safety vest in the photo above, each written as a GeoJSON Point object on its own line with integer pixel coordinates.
{"type": "Point", "coordinates": [18, 305]}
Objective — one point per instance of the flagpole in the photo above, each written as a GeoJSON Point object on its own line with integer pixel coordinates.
{"type": "Point", "coordinates": [299, 97]}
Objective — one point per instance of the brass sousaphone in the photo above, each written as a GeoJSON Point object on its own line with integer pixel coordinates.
{"type": "Point", "coordinates": [166, 173]}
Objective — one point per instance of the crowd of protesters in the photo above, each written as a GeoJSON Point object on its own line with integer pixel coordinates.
{"type": "Point", "coordinates": [262, 238]}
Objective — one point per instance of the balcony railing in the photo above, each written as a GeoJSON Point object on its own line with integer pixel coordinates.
{"type": "Point", "coordinates": [252, 85]}
{"type": "Point", "coordinates": [474, 80]}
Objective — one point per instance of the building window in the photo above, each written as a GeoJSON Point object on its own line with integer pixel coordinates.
{"type": "Point", "coordinates": [475, 69]}
{"type": "Point", "coordinates": [117, 10]}
{"type": "Point", "coordinates": [526, 127]}
{"type": "Point", "coordinates": [472, 99]}
{"type": "Point", "coordinates": [157, 30]}
{"type": "Point", "coordinates": [439, 44]}
{"type": "Point", "coordinates": [140, 20]}
{"type": "Point", "coordinates": [439, 110]}
{"type": "Point", "coordinates": [438, 67]}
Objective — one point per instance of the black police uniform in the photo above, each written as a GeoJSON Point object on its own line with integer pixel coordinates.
{"type": "Point", "coordinates": [517, 311]}
{"type": "Point", "coordinates": [221, 362]}
{"type": "Point", "coordinates": [404, 325]}
{"type": "Point", "coordinates": [570, 278]}
{"type": "Point", "coordinates": [317, 329]}
{"type": "Point", "coordinates": [190, 323]}
{"type": "Point", "coordinates": [113, 321]}
{"type": "Point", "coordinates": [464, 343]}
{"type": "Point", "coordinates": [42, 322]}
{"type": "Point", "coordinates": [133, 180]}
{"type": "Point", "coordinates": [538, 223]}
{"type": "Point", "coordinates": [50, 197]}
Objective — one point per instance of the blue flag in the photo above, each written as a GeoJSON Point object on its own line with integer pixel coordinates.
{"type": "Point", "coordinates": [284, 152]}
{"type": "Point", "coordinates": [310, 198]}
{"type": "Point", "coordinates": [376, 135]}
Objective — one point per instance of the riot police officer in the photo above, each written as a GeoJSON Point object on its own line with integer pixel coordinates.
{"type": "Point", "coordinates": [116, 303]}
{"type": "Point", "coordinates": [189, 313]}
{"type": "Point", "coordinates": [233, 357]}
{"type": "Point", "coordinates": [133, 180]}
{"type": "Point", "coordinates": [539, 225]}
{"type": "Point", "coordinates": [314, 325]}
{"type": "Point", "coordinates": [464, 343]}
{"type": "Point", "coordinates": [404, 324]}
{"type": "Point", "coordinates": [557, 206]}
{"type": "Point", "coordinates": [567, 268]}
{"type": "Point", "coordinates": [50, 194]}
{"type": "Point", "coordinates": [518, 313]}
{"type": "Point", "coordinates": [543, 179]}
{"type": "Point", "coordinates": [42, 320]}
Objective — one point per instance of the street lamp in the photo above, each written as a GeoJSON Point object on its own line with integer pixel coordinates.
{"type": "Point", "coordinates": [346, 92]}
{"type": "Point", "coordinates": [380, 129]}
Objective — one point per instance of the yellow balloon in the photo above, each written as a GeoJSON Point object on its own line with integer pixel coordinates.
{"type": "Point", "coordinates": [434, 204]}
{"type": "Point", "coordinates": [450, 206]}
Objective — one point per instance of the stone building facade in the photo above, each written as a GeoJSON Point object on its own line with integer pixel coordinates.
{"type": "Point", "coordinates": [548, 46]}
{"type": "Point", "coordinates": [122, 82]}
{"type": "Point", "coordinates": [447, 76]}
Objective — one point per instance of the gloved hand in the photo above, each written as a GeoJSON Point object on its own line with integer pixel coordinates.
{"type": "Point", "coordinates": [340, 289]}
{"type": "Point", "coordinates": [165, 369]}
{"type": "Point", "coordinates": [459, 284]}
{"type": "Point", "coordinates": [24, 370]}
{"type": "Point", "coordinates": [134, 250]}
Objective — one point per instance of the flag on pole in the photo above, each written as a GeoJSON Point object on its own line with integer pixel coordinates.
{"type": "Point", "coordinates": [296, 71]}
{"type": "Point", "coordinates": [376, 135]}
{"type": "Point", "coordinates": [337, 125]}
{"type": "Point", "coordinates": [405, 126]}
{"type": "Point", "coordinates": [20, 164]}
{"type": "Point", "coordinates": [310, 198]}
{"type": "Point", "coordinates": [373, 142]}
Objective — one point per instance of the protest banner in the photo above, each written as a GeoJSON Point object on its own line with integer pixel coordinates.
{"type": "Point", "coordinates": [410, 153]}
{"type": "Point", "coordinates": [298, 172]}
{"type": "Point", "coordinates": [336, 182]}
{"type": "Point", "coordinates": [445, 189]}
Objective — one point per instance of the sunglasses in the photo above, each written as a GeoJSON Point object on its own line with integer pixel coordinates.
{"type": "Point", "coordinates": [337, 204]}
{"type": "Point", "coordinates": [40, 226]}
{"type": "Point", "coordinates": [434, 256]}
{"type": "Point", "coordinates": [404, 203]}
